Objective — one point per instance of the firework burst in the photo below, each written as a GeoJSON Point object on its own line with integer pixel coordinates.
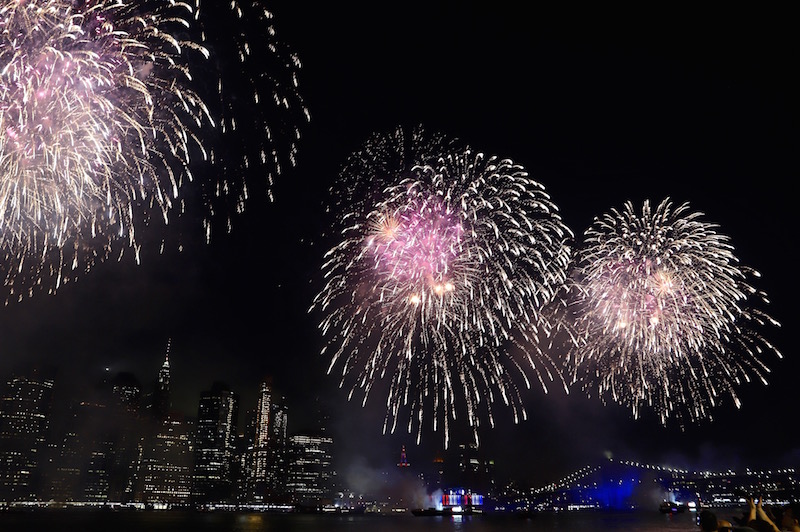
{"type": "Point", "coordinates": [665, 317]}
{"type": "Point", "coordinates": [96, 129]}
{"type": "Point", "coordinates": [101, 115]}
{"type": "Point", "coordinates": [437, 278]}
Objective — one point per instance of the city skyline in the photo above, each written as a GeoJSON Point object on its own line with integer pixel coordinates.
{"type": "Point", "coordinates": [366, 463]}
{"type": "Point", "coordinates": [599, 110]}
{"type": "Point", "coordinates": [123, 443]}
{"type": "Point", "coordinates": [127, 450]}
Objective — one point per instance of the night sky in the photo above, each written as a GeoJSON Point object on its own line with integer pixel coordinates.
{"type": "Point", "coordinates": [601, 107]}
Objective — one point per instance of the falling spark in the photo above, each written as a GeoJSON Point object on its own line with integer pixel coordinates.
{"type": "Point", "coordinates": [253, 91]}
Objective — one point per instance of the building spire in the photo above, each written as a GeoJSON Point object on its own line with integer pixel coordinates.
{"type": "Point", "coordinates": [161, 398]}
{"type": "Point", "coordinates": [166, 357]}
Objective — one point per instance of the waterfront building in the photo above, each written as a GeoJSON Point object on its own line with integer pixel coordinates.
{"type": "Point", "coordinates": [217, 418]}
{"type": "Point", "coordinates": [99, 449]}
{"type": "Point", "coordinates": [25, 406]}
{"type": "Point", "coordinates": [277, 464]}
{"type": "Point", "coordinates": [310, 473]}
{"type": "Point", "coordinates": [126, 427]}
{"type": "Point", "coordinates": [165, 464]}
{"type": "Point", "coordinates": [243, 463]}
{"type": "Point", "coordinates": [63, 484]}
{"type": "Point", "coordinates": [93, 451]}
{"type": "Point", "coordinates": [82, 471]}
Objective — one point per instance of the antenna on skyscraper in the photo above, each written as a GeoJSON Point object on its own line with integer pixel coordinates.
{"type": "Point", "coordinates": [166, 357]}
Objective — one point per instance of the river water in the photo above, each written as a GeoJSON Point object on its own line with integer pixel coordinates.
{"type": "Point", "coordinates": [100, 521]}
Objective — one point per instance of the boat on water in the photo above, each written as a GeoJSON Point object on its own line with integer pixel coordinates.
{"type": "Point", "coordinates": [668, 507]}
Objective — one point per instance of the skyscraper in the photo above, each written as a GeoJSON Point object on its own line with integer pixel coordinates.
{"type": "Point", "coordinates": [165, 467]}
{"type": "Point", "coordinates": [25, 405]}
{"type": "Point", "coordinates": [277, 463]}
{"type": "Point", "coordinates": [260, 452]}
{"type": "Point", "coordinates": [311, 475]}
{"type": "Point", "coordinates": [217, 417]}
{"type": "Point", "coordinates": [266, 459]}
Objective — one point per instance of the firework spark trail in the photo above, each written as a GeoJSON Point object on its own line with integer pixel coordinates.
{"type": "Point", "coordinates": [253, 90]}
{"type": "Point", "coordinates": [97, 121]}
{"type": "Point", "coordinates": [665, 317]}
{"type": "Point", "coordinates": [443, 259]}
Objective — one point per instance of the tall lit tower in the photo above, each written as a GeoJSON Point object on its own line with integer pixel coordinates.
{"type": "Point", "coordinates": [265, 463]}
{"type": "Point", "coordinates": [161, 399]}
{"type": "Point", "coordinates": [278, 464]}
{"type": "Point", "coordinates": [263, 413]}
{"type": "Point", "coordinates": [163, 374]}
{"type": "Point", "coordinates": [217, 418]}
{"type": "Point", "coordinates": [260, 454]}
